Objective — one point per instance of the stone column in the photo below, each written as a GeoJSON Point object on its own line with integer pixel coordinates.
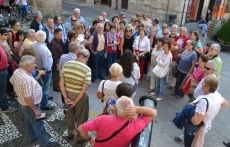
{"type": "Point", "coordinates": [47, 6]}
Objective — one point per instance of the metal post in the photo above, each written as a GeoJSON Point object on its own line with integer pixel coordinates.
{"type": "Point", "coordinates": [182, 14]}
{"type": "Point", "coordinates": [143, 139]}
{"type": "Point", "coordinates": [116, 5]}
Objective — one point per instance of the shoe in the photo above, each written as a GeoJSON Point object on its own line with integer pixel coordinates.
{"type": "Point", "coordinates": [150, 90]}
{"type": "Point", "coordinates": [9, 97]}
{"type": "Point", "coordinates": [171, 87]}
{"type": "Point", "coordinates": [10, 109]}
{"type": "Point", "coordinates": [1, 15]}
{"type": "Point", "coordinates": [81, 142]}
{"type": "Point", "coordinates": [203, 35]}
{"type": "Point", "coordinates": [57, 89]}
{"type": "Point", "coordinates": [178, 140]}
{"type": "Point", "coordinates": [93, 81]}
{"type": "Point", "coordinates": [50, 98]}
{"type": "Point", "coordinates": [9, 14]}
{"type": "Point", "coordinates": [47, 108]}
{"type": "Point", "coordinates": [159, 99]}
{"type": "Point", "coordinates": [70, 136]}
{"type": "Point", "coordinates": [227, 144]}
{"type": "Point", "coordinates": [153, 93]}
{"type": "Point", "coordinates": [179, 97]}
{"type": "Point", "coordinates": [11, 103]}
{"type": "Point", "coordinates": [173, 94]}
{"type": "Point", "coordinates": [102, 78]}
{"type": "Point", "coordinates": [51, 144]}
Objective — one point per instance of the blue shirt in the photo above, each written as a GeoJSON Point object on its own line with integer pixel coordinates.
{"type": "Point", "coordinates": [80, 19]}
{"type": "Point", "coordinates": [68, 26]}
{"type": "Point", "coordinates": [185, 62]}
{"type": "Point", "coordinates": [65, 58]}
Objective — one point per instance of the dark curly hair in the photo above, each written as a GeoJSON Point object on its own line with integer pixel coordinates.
{"type": "Point", "coordinates": [124, 89]}
{"type": "Point", "coordinates": [126, 63]}
{"type": "Point", "coordinates": [19, 32]}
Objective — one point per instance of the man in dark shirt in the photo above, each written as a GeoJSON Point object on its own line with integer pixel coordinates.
{"type": "Point", "coordinates": [57, 50]}
{"type": "Point", "coordinates": [203, 25]}
{"type": "Point", "coordinates": [37, 24]}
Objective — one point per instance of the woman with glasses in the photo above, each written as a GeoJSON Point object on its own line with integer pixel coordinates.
{"type": "Point", "coordinates": [72, 36]}
{"type": "Point", "coordinates": [146, 21]}
{"type": "Point", "coordinates": [166, 35]}
{"type": "Point", "coordinates": [185, 67]}
{"type": "Point", "coordinates": [127, 40]}
{"type": "Point", "coordinates": [133, 23]}
{"type": "Point", "coordinates": [141, 47]}
{"type": "Point", "coordinates": [174, 50]}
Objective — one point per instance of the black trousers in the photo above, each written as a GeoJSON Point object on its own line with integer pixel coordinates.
{"type": "Point", "coordinates": [55, 78]}
{"type": "Point", "coordinates": [5, 7]}
{"type": "Point", "coordinates": [179, 79]}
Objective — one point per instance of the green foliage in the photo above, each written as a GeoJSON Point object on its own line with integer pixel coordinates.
{"type": "Point", "coordinates": [215, 32]}
{"type": "Point", "coordinates": [223, 34]}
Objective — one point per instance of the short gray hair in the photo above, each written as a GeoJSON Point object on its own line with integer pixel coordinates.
{"type": "Point", "coordinates": [84, 52]}
{"type": "Point", "coordinates": [29, 32]}
{"type": "Point", "coordinates": [213, 63]}
{"type": "Point", "coordinates": [26, 60]}
{"type": "Point", "coordinates": [37, 13]}
{"type": "Point", "coordinates": [174, 25]}
{"type": "Point", "coordinates": [40, 36]}
{"type": "Point", "coordinates": [121, 104]}
{"type": "Point", "coordinates": [74, 45]}
{"type": "Point", "coordinates": [76, 9]}
{"type": "Point", "coordinates": [184, 28]}
{"type": "Point", "coordinates": [216, 47]}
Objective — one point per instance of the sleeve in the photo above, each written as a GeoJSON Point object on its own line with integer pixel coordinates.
{"type": "Point", "coordinates": [62, 72]}
{"type": "Point", "coordinates": [87, 79]}
{"type": "Point", "coordinates": [198, 45]}
{"type": "Point", "coordinates": [194, 56]}
{"type": "Point", "coordinates": [201, 107]}
{"type": "Point", "coordinates": [100, 86]}
{"type": "Point", "coordinates": [54, 53]}
{"type": "Point", "coordinates": [92, 125]}
{"type": "Point", "coordinates": [140, 123]}
{"type": "Point", "coordinates": [60, 64]}
{"type": "Point", "coordinates": [147, 44]}
{"type": "Point", "coordinates": [135, 43]}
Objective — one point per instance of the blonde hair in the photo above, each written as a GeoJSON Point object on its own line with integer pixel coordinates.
{"type": "Point", "coordinates": [115, 70]}
{"type": "Point", "coordinates": [212, 82]}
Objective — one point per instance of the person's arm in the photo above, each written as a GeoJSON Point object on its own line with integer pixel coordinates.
{"type": "Point", "coordinates": [192, 67]}
{"type": "Point", "coordinates": [197, 118]}
{"type": "Point", "coordinates": [99, 92]}
{"type": "Point", "coordinates": [174, 48]}
{"type": "Point", "coordinates": [131, 110]}
{"type": "Point", "coordinates": [63, 91]}
{"type": "Point", "coordinates": [200, 111]}
{"type": "Point", "coordinates": [40, 73]}
{"type": "Point", "coordinates": [91, 44]}
{"type": "Point", "coordinates": [85, 135]}
{"type": "Point", "coordinates": [121, 45]}
{"type": "Point", "coordinates": [224, 104]}
{"type": "Point", "coordinates": [163, 63]}
{"type": "Point", "coordinates": [10, 40]}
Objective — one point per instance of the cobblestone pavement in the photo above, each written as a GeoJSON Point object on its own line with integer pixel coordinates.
{"type": "Point", "coordinates": [12, 130]}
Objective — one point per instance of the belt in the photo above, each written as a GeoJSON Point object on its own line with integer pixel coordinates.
{"type": "Point", "coordinates": [48, 71]}
{"type": "Point", "coordinates": [44, 69]}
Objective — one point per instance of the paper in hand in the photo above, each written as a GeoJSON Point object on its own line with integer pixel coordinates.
{"type": "Point", "coordinates": [65, 106]}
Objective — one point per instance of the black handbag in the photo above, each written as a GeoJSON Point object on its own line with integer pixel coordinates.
{"type": "Point", "coordinates": [190, 128]}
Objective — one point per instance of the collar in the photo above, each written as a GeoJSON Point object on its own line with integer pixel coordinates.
{"type": "Point", "coordinates": [25, 71]}
{"type": "Point", "coordinates": [214, 57]}
{"type": "Point", "coordinates": [79, 60]}
{"type": "Point", "coordinates": [56, 40]}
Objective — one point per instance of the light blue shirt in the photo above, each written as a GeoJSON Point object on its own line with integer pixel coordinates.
{"type": "Point", "coordinates": [80, 19]}
{"type": "Point", "coordinates": [65, 58]}
{"type": "Point", "coordinates": [43, 56]}
{"type": "Point", "coordinates": [68, 26]}
{"type": "Point", "coordinates": [64, 35]}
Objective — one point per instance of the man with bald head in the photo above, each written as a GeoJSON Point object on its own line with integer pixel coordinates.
{"type": "Point", "coordinates": [75, 79]}
{"type": "Point", "coordinates": [106, 125]}
{"type": "Point", "coordinates": [77, 15]}
{"type": "Point", "coordinates": [98, 48]}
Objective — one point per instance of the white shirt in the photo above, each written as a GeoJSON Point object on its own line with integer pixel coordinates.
{"type": "Point", "coordinates": [164, 59]}
{"type": "Point", "coordinates": [24, 2]}
{"type": "Point", "coordinates": [135, 73]}
{"type": "Point", "coordinates": [142, 45]}
{"type": "Point", "coordinates": [159, 34]}
{"type": "Point", "coordinates": [109, 89]}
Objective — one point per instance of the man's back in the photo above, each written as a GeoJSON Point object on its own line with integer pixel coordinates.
{"type": "Point", "coordinates": [106, 125]}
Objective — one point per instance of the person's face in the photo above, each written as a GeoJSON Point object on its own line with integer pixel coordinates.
{"type": "Point", "coordinates": [17, 26]}
{"type": "Point", "coordinates": [208, 69]}
{"type": "Point", "coordinates": [172, 38]}
{"type": "Point", "coordinates": [212, 52]}
{"type": "Point", "coordinates": [145, 17]}
{"type": "Point", "coordinates": [107, 26]}
{"type": "Point", "coordinates": [59, 20]}
{"type": "Point", "coordinates": [165, 47]}
{"type": "Point", "coordinates": [76, 14]}
{"type": "Point", "coordinates": [165, 34]}
{"type": "Point", "coordinates": [164, 26]}
{"type": "Point", "coordinates": [100, 28]}
{"type": "Point", "coordinates": [74, 38]}
{"type": "Point", "coordinates": [40, 16]}
{"type": "Point", "coordinates": [103, 15]}
{"type": "Point", "coordinates": [193, 37]}
{"type": "Point", "coordinates": [100, 20]}
{"type": "Point", "coordinates": [189, 46]}
{"type": "Point", "coordinates": [182, 32]}
{"type": "Point", "coordinates": [5, 36]}
{"type": "Point", "coordinates": [115, 20]}
{"type": "Point", "coordinates": [154, 23]}
{"type": "Point", "coordinates": [122, 26]}
{"type": "Point", "coordinates": [153, 32]}
{"type": "Point", "coordinates": [21, 37]}
{"type": "Point", "coordinates": [123, 18]}
{"type": "Point", "coordinates": [133, 21]}
{"type": "Point", "coordinates": [137, 23]}
{"type": "Point", "coordinates": [141, 32]}
{"type": "Point", "coordinates": [50, 23]}
{"type": "Point", "coordinates": [159, 43]}
{"type": "Point", "coordinates": [112, 30]}
{"type": "Point", "coordinates": [32, 37]}
{"type": "Point", "coordinates": [31, 67]}
{"type": "Point", "coordinates": [138, 17]}
{"type": "Point", "coordinates": [128, 31]}
{"type": "Point", "coordinates": [58, 36]}
{"type": "Point", "coordinates": [174, 29]}
{"type": "Point", "coordinates": [208, 47]}
{"type": "Point", "coordinates": [73, 20]}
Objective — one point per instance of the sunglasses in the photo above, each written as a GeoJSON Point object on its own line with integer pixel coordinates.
{"type": "Point", "coordinates": [73, 20]}
{"type": "Point", "coordinates": [100, 20]}
{"type": "Point", "coordinates": [207, 68]}
{"type": "Point", "coordinates": [127, 30]}
{"type": "Point", "coordinates": [165, 33]}
{"type": "Point", "coordinates": [172, 37]}
{"type": "Point", "coordinates": [5, 34]}
{"type": "Point", "coordinates": [163, 27]}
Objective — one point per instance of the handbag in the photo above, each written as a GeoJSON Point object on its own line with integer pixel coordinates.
{"type": "Point", "coordinates": [114, 134]}
{"type": "Point", "coordinates": [159, 71]}
{"type": "Point", "coordinates": [190, 128]}
{"type": "Point", "coordinates": [140, 57]}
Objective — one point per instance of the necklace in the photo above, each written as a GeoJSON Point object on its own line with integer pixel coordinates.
{"type": "Point", "coordinates": [128, 37]}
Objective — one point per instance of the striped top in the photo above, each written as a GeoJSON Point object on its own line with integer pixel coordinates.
{"type": "Point", "coordinates": [75, 74]}
{"type": "Point", "coordinates": [26, 86]}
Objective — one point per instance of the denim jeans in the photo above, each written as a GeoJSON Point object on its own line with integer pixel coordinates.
{"type": "Point", "coordinates": [3, 101]}
{"type": "Point", "coordinates": [98, 68]}
{"type": "Point", "coordinates": [188, 138]}
{"type": "Point", "coordinates": [35, 129]}
{"type": "Point", "coordinates": [203, 27]}
{"type": "Point", "coordinates": [45, 89]}
{"type": "Point", "coordinates": [25, 8]}
{"type": "Point", "coordinates": [111, 58]}
{"type": "Point", "coordinates": [160, 86]}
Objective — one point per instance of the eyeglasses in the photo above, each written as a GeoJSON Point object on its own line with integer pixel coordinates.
{"type": "Point", "coordinates": [100, 20]}
{"type": "Point", "coordinates": [165, 33]}
{"type": "Point", "coordinates": [5, 34]}
{"type": "Point", "coordinates": [73, 20]}
{"type": "Point", "coordinates": [172, 37]}
{"type": "Point", "coordinates": [164, 27]}
{"type": "Point", "coordinates": [127, 30]}
{"type": "Point", "coordinates": [207, 68]}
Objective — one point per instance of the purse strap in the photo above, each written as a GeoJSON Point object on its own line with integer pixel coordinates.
{"type": "Point", "coordinates": [103, 85]}
{"type": "Point", "coordinates": [207, 103]}
{"type": "Point", "coordinates": [134, 79]}
{"type": "Point", "coordinates": [114, 134]}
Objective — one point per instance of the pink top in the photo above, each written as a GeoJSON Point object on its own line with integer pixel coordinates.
{"type": "Point", "coordinates": [1, 2]}
{"type": "Point", "coordinates": [106, 125]}
{"type": "Point", "coordinates": [198, 74]}
{"type": "Point", "coordinates": [21, 49]}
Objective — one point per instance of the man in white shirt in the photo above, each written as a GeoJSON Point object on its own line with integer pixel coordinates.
{"type": "Point", "coordinates": [103, 14]}
{"type": "Point", "coordinates": [160, 32]}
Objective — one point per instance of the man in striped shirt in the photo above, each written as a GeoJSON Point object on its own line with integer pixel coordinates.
{"type": "Point", "coordinates": [75, 78]}
{"type": "Point", "coordinates": [29, 94]}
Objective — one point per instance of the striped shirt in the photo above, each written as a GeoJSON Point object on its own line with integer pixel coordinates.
{"type": "Point", "coordinates": [75, 74]}
{"type": "Point", "coordinates": [65, 58]}
{"type": "Point", "coordinates": [26, 86]}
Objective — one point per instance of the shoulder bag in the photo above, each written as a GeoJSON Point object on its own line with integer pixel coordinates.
{"type": "Point", "coordinates": [159, 71]}
{"type": "Point", "coordinates": [140, 57]}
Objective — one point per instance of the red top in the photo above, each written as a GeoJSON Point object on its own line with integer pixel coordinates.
{"type": "Point", "coordinates": [1, 2]}
{"type": "Point", "coordinates": [3, 59]}
{"type": "Point", "coordinates": [174, 59]}
{"type": "Point", "coordinates": [109, 49]}
{"type": "Point", "coordinates": [106, 125]}
{"type": "Point", "coordinates": [185, 39]}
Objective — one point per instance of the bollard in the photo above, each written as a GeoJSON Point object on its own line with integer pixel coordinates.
{"type": "Point", "coordinates": [143, 139]}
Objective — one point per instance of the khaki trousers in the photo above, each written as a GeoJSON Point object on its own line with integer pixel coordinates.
{"type": "Point", "coordinates": [78, 114]}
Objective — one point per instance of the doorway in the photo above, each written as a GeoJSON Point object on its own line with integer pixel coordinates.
{"type": "Point", "coordinates": [199, 11]}
{"type": "Point", "coordinates": [124, 4]}
{"type": "Point", "coordinates": [106, 2]}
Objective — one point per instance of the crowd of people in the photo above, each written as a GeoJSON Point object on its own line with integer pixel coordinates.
{"type": "Point", "coordinates": [73, 54]}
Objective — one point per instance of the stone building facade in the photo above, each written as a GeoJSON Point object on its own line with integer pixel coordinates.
{"type": "Point", "coordinates": [46, 6]}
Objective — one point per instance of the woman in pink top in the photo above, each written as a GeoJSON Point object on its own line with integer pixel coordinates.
{"type": "Point", "coordinates": [18, 44]}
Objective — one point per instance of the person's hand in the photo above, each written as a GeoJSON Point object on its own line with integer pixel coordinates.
{"type": "Point", "coordinates": [130, 111]}
{"type": "Point", "coordinates": [91, 142]}
{"type": "Point", "coordinates": [134, 54]}
{"type": "Point", "coordinates": [41, 72]}
{"type": "Point", "coordinates": [68, 101]}
{"type": "Point", "coordinates": [105, 55]}
{"type": "Point", "coordinates": [4, 4]}
{"type": "Point", "coordinates": [116, 43]}
{"type": "Point", "coordinates": [73, 103]}
{"type": "Point", "coordinates": [37, 113]}
{"type": "Point", "coordinates": [140, 54]}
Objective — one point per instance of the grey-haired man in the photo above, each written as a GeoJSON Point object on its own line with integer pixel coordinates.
{"type": "Point", "coordinates": [37, 22]}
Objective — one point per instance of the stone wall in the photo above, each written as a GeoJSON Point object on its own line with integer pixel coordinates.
{"type": "Point", "coordinates": [47, 6]}
{"type": "Point", "coordinates": [159, 8]}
